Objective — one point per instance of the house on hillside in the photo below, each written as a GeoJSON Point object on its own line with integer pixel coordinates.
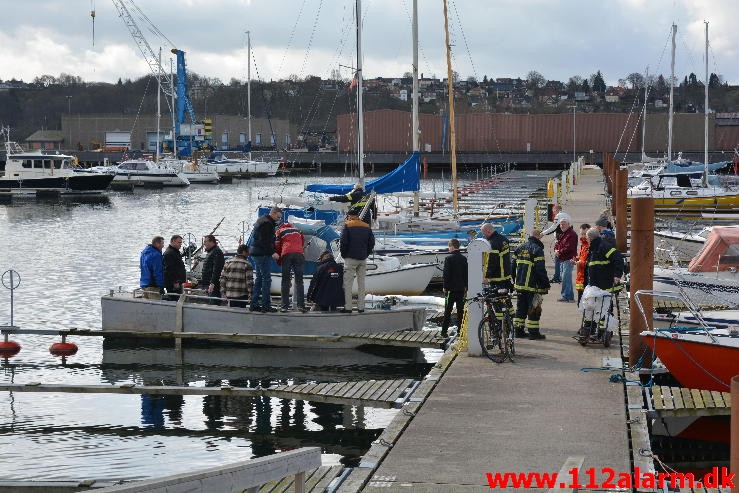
{"type": "Point", "coordinates": [45, 139]}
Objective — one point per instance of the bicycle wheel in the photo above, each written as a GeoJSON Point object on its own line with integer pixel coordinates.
{"type": "Point", "coordinates": [488, 334]}
{"type": "Point", "coordinates": [508, 336]}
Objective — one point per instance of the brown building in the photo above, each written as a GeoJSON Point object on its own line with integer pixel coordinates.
{"type": "Point", "coordinates": [45, 139]}
{"type": "Point", "coordinates": [390, 131]}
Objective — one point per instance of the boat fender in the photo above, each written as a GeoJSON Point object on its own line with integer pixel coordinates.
{"type": "Point", "coordinates": [8, 349]}
{"type": "Point", "coordinates": [63, 349]}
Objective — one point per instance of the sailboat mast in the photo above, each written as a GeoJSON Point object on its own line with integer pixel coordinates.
{"type": "Point", "coordinates": [159, 99]}
{"type": "Point", "coordinates": [174, 118]}
{"type": "Point", "coordinates": [450, 88]}
{"type": "Point", "coordinates": [360, 116]}
{"type": "Point", "coordinates": [672, 99]}
{"type": "Point", "coordinates": [248, 88]}
{"type": "Point", "coordinates": [414, 98]}
{"type": "Point", "coordinates": [705, 123]}
{"type": "Point", "coordinates": [644, 114]}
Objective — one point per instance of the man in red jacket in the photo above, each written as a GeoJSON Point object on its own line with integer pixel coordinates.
{"type": "Point", "coordinates": [565, 248]}
{"type": "Point", "coordinates": [289, 246]}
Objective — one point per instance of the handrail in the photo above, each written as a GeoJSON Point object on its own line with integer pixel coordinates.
{"type": "Point", "coordinates": [694, 310]}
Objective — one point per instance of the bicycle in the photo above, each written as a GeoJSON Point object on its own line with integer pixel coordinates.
{"type": "Point", "coordinates": [495, 331]}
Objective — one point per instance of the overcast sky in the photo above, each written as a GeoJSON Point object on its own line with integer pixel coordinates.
{"type": "Point", "coordinates": [497, 38]}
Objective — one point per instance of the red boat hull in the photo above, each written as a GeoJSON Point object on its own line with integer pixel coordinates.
{"type": "Point", "coordinates": [697, 365]}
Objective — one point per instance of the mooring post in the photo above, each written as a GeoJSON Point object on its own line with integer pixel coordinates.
{"type": "Point", "coordinates": [734, 451]}
{"type": "Point", "coordinates": [622, 178]}
{"type": "Point", "coordinates": [641, 276]}
{"type": "Point", "coordinates": [475, 250]}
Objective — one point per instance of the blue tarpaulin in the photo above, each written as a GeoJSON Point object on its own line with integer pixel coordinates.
{"type": "Point", "coordinates": [404, 178]}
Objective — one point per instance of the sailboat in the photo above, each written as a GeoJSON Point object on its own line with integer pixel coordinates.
{"type": "Point", "coordinates": [235, 165]}
{"type": "Point", "coordinates": [678, 190]}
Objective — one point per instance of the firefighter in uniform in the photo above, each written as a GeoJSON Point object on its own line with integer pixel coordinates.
{"type": "Point", "coordinates": [357, 199]}
{"type": "Point", "coordinates": [496, 264]}
{"type": "Point", "coordinates": [531, 283]}
{"type": "Point", "coordinates": [605, 266]}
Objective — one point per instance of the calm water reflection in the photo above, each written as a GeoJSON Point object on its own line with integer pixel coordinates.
{"type": "Point", "coordinates": [70, 253]}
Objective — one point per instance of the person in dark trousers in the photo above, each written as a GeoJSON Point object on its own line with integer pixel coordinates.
{"type": "Point", "coordinates": [289, 242]}
{"type": "Point", "coordinates": [356, 244]}
{"type": "Point", "coordinates": [605, 267]}
{"type": "Point", "coordinates": [531, 283]}
{"type": "Point", "coordinates": [557, 230]}
{"type": "Point", "coordinates": [212, 267]}
{"type": "Point", "coordinates": [357, 199]}
{"type": "Point", "coordinates": [175, 273]}
{"type": "Point", "coordinates": [326, 288]}
{"type": "Point", "coordinates": [237, 279]}
{"type": "Point", "coordinates": [497, 262]}
{"type": "Point", "coordinates": [151, 264]}
{"type": "Point", "coordinates": [262, 250]}
{"type": "Point", "coordinates": [565, 248]}
{"type": "Point", "coordinates": [455, 285]}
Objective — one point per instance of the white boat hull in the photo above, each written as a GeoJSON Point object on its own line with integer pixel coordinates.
{"type": "Point", "coordinates": [410, 280]}
{"type": "Point", "coordinates": [702, 288]}
{"type": "Point", "coordinates": [163, 179]}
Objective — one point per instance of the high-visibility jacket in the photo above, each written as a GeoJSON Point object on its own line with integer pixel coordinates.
{"type": "Point", "coordinates": [529, 271]}
{"type": "Point", "coordinates": [496, 264]}
{"type": "Point", "coordinates": [582, 261]}
{"type": "Point", "coordinates": [357, 200]}
{"type": "Point", "coordinates": [604, 263]}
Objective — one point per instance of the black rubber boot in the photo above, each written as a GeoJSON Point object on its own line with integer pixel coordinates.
{"type": "Point", "coordinates": [521, 332]}
{"type": "Point", "coordinates": [534, 334]}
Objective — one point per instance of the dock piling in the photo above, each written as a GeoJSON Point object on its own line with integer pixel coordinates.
{"type": "Point", "coordinates": [734, 451]}
{"type": "Point", "coordinates": [641, 276]}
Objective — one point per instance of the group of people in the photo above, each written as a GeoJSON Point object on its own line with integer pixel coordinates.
{"type": "Point", "coordinates": [598, 263]}
{"type": "Point", "coordinates": [246, 279]}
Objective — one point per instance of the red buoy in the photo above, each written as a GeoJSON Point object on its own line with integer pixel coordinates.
{"type": "Point", "coordinates": [9, 349]}
{"type": "Point", "coordinates": [63, 349]}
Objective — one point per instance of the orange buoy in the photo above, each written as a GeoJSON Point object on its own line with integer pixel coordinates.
{"type": "Point", "coordinates": [63, 349]}
{"type": "Point", "coordinates": [9, 349]}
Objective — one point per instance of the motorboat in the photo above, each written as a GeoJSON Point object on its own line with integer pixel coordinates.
{"type": "Point", "coordinates": [684, 245]}
{"type": "Point", "coordinates": [222, 164]}
{"type": "Point", "coordinates": [142, 172]}
{"type": "Point", "coordinates": [711, 278]}
{"type": "Point", "coordinates": [703, 357]}
{"type": "Point", "coordinates": [131, 312]}
{"type": "Point", "coordinates": [33, 172]}
{"type": "Point", "coordinates": [678, 191]}
{"type": "Point", "coordinates": [193, 171]}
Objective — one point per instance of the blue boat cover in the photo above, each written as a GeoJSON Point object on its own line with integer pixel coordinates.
{"type": "Point", "coordinates": [404, 178]}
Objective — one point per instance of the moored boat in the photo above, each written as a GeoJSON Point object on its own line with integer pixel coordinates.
{"type": "Point", "coordinates": [142, 172]}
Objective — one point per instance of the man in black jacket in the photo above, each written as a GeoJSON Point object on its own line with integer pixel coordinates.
{"type": "Point", "coordinates": [357, 242]}
{"type": "Point", "coordinates": [174, 267]}
{"type": "Point", "coordinates": [212, 268]}
{"type": "Point", "coordinates": [326, 287]}
{"type": "Point", "coordinates": [530, 281]}
{"type": "Point", "coordinates": [455, 285]}
{"type": "Point", "coordinates": [262, 251]}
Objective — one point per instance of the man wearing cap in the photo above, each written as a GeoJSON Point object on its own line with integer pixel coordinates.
{"type": "Point", "coordinates": [357, 200]}
{"type": "Point", "coordinates": [565, 248]}
{"type": "Point", "coordinates": [326, 287]}
{"type": "Point", "coordinates": [356, 243]}
{"type": "Point", "coordinates": [603, 225]}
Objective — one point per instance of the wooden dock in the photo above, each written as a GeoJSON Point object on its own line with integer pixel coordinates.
{"type": "Point", "coordinates": [678, 401]}
{"type": "Point", "coordinates": [401, 338]}
{"type": "Point", "coordinates": [369, 393]}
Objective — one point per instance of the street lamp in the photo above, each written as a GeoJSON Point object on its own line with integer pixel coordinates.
{"type": "Point", "coordinates": [574, 112]}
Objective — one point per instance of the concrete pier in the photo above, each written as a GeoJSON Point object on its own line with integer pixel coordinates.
{"type": "Point", "coordinates": [543, 413]}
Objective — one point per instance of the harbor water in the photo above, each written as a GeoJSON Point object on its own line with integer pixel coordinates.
{"type": "Point", "coordinates": [69, 253]}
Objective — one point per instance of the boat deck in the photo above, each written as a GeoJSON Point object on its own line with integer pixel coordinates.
{"type": "Point", "coordinates": [677, 401]}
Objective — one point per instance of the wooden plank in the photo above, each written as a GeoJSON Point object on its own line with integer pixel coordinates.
{"type": "Point", "coordinates": [683, 399]}
{"type": "Point", "coordinates": [373, 388]}
{"type": "Point", "coordinates": [697, 399]}
{"type": "Point", "coordinates": [727, 398]}
{"type": "Point", "coordinates": [667, 398]}
{"type": "Point", "coordinates": [657, 397]}
{"type": "Point", "coordinates": [392, 391]}
{"type": "Point", "coordinates": [321, 485]}
{"type": "Point", "coordinates": [377, 393]}
{"type": "Point", "coordinates": [678, 399]}
{"type": "Point", "coordinates": [359, 391]}
{"type": "Point", "coordinates": [351, 389]}
{"type": "Point", "coordinates": [718, 399]}
{"type": "Point", "coordinates": [638, 430]}
{"type": "Point", "coordinates": [328, 389]}
{"type": "Point", "coordinates": [707, 399]}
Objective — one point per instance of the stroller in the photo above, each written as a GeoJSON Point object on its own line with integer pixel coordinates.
{"type": "Point", "coordinates": [598, 318]}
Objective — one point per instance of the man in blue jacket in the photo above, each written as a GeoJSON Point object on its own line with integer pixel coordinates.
{"type": "Point", "coordinates": [151, 263]}
{"type": "Point", "coordinates": [357, 242]}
